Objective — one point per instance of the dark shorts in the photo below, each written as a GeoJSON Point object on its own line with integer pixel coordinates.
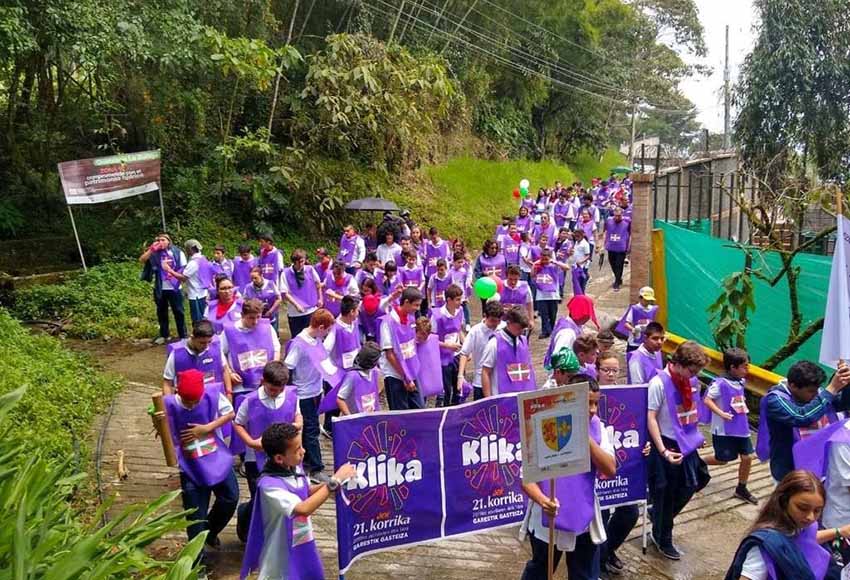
{"type": "Point", "coordinates": [728, 448]}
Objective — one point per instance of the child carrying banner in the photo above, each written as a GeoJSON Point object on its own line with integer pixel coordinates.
{"type": "Point", "coordinates": [579, 529]}
{"type": "Point", "coordinates": [280, 541]}
{"type": "Point", "coordinates": [784, 541]}
{"type": "Point", "coordinates": [273, 402]}
{"type": "Point", "coordinates": [676, 470]}
{"type": "Point", "coordinates": [730, 426]}
{"type": "Point", "coordinates": [645, 362]}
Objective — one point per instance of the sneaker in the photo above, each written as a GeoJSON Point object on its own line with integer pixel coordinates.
{"type": "Point", "coordinates": [741, 492]}
{"type": "Point", "coordinates": [615, 562]}
{"type": "Point", "coordinates": [670, 552]}
{"type": "Point", "coordinates": [160, 340]}
{"type": "Point", "coordinates": [325, 433]}
{"type": "Point", "coordinates": [610, 570]}
{"type": "Point", "coordinates": [319, 477]}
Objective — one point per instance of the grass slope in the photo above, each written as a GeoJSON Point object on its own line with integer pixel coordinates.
{"type": "Point", "coordinates": [586, 165]}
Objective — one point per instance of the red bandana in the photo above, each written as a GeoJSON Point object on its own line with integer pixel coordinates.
{"type": "Point", "coordinates": [683, 387]}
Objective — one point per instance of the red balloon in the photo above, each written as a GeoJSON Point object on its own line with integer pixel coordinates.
{"type": "Point", "coordinates": [516, 193]}
{"type": "Point", "coordinates": [371, 303]}
{"type": "Point", "coordinates": [499, 284]}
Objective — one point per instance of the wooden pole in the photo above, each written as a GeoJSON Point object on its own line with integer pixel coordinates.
{"type": "Point", "coordinates": [839, 202]}
{"type": "Point", "coordinates": [160, 423]}
{"type": "Point", "coordinates": [551, 561]}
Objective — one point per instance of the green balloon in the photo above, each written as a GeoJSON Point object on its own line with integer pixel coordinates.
{"type": "Point", "coordinates": [524, 191]}
{"type": "Point", "coordinates": [485, 287]}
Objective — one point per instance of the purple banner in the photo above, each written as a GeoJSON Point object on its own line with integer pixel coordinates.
{"type": "Point", "coordinates": [428, 474]}
{"type": "Point", "coordinates": [622, 409]}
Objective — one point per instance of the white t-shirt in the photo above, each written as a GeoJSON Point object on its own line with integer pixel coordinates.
{"type": "Point", "coordinates": [581, 251]}
{"type": "Point", "coordinates": [268, 402]}
{"type": "Point", "coordinates": [718, 425]}
{"type": "Point", "coordinates": [345, 389]}
{"type": "Point", "coordinates": [308, 379]}
{"type": "Point", "coordinates": [474, 345]}
{"type": "Point", "coordinates": [386, 253]}
{"type": "Point", "coordinates": [564, 339]}
{"type": "Point", "coordinates": [194, 287]}
{"type": "Point", "coordinates": [754, 567]}
{"type": "Point", "coordinates": [284, 289]}
{"type": "Point", "coordinates": [169, 373]}
{"type": "Point", "coordinates": [488, 360]}
{"type": "Point", "coordinates": [225, 348]}
{"type": "Point", "coordinates": [525, 254]}
{"type": "Point", "coordinates": [566, 541]}
{"type": "Point", "coordinates": [386, 342]}
{"type": "Point", "coordinates": [635, 368]}
{"type": "Point", "coordinates": [658, 403]}
{"type": "Point", "coordinates": [278, 504]}
{"type": "Point", "coordinates": [836, 512]}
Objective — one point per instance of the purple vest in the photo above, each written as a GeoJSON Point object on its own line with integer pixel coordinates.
{"type": "Point", "coordinates": [493, 265]}
{"type": "Point", "coordinates": [270, 265]}
{"type": "Point", "coordinates": [523, 224]}
{"type": "Point", "coordinates": [208, 361]}
{"type": "Point", "coordinates": [527, 202]}
{"type": "Point", "coordinates": [799, 433]}
{"type": "Point", "coordinates": [437, 289]}
{"type": "Point", "coordinates": [510, 249]}
{"type": "Point", "coordinates": [365, 395]}
{"type": "Point", "coordinates": [363, 274]}
{"type": "Point", "coordinates": [517, 296]}
{"type": "Point", "coordinates": [514, 369]}
{"type": "Point", "coordinates": [649, 366]}
{"type": "Point", "coordinates": [223, 267]}
{"type": "Point", "coordinates": [617, 235]}
{"type": "Point", "coordinates": [206, 461]}
{"type": "Point", "coordinates": [260, 417]}
{"type": "Point", "coordinates": [640, 315]}
{"type": "Point", "coordinates": [587, 228]}
{"type": "Point", "coordinates": [547, 279]}
{"type": "Point", "coordinates": [562, 254]}
{"type": "Point", "coordinates": [346, 346]}
{"type": "Point", "coordinates": [347, 249]}
{"type": "Point", "coordinates": [168, 257]}
{"type": "Point", "coordinates": [448, 330]}
{"type": "Point", "coordinates": [302, 556]}
{"type": "Point", "coordinates": [549, 231]}
{"type": "Point", "coordinates": [733, 400]}
{"type": "Point", "coordinates": [242, 271]}
{"type": "Point", "coordinates": [267, 294]}
{"type": "Point", "coordinates": [434, 253]}
{"type": "Point", "coordinates": [685, 422]}
{"type": "Point", "coordinates": [589, 369]}
{"type": "Point", "coordinates": [430, 377]}
{"type": "Point", "coordinates": [333, 304]}
{"type": "Point", "coordinates": [563, 322]}
{"type": "Point", "coordinates": [228, 320]}
{"type": "Point", "coordinates": [404, 345]}
{"type": "Point", "coordinates": [369, 323]}
{"type": "Point", "coordinates": [249, 352]}
{"type": "Point", "coordinates": [306, 294]}
{"type": "Point", "coordinates": [816, 555]}
{"type": "Point", "coordinates": [320, 360]}
{"type": "Point", "coordinates": [501, 232]}
{"type": "Point", "coordinates": [413, 277]}
{"type": "Point", "coordinates": [459, 278]}
{"type": "Point", "coordinates": [576, 493]}
{"type": "Point", "coordinates": [600, 198]}
{"type": "Point", "coordinates": [561, 211]}
{"type": "Point", "coordinates": [387, 286]}
{"type": "Point", "coordinates": [812, 453]}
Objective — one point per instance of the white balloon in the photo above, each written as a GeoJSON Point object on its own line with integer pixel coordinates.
{"type": "Point", "coordinates": [524, 183]}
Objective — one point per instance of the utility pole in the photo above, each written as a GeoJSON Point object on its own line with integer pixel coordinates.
{"type": "Point", "coordinates": [634, 130]}
{"type": "Point", "coordinates": [727, 140]}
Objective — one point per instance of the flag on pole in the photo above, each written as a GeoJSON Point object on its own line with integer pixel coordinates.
{"type": "Point", "coordinates": [835, 341]}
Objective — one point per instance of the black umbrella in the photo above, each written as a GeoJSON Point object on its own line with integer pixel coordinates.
{"type": "Point", "coordinates": [371, 204]}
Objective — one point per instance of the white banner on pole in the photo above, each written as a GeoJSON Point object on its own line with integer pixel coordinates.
{"type": "Point", "coordinates": [835, 341]}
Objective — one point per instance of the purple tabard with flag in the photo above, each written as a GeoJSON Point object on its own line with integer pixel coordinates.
{"type": "Point", "coordinates": [622, 409]}
{"type": "Point", "coordinates": [427, 474]}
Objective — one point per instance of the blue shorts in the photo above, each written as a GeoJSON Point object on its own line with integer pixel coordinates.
{"type": "Point", "coordinates": [728, 447]}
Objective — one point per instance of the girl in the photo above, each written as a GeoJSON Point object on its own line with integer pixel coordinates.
{"type": "Point", "coordinates": [784, 542]}
{"type": "Point", "coordinates": [416, 241]}
{"type": "Point", "coordinates": [227, 309]}
{"type": "Point", "coordinates": [389, 251]}
{"type": "Point", "coordinates": [266, 292]}
{"type": "Point", "coordinates": [490, 262]}
{"type": "Point", "coordinates": [371, 311]}
{"type": "Point", "coordinates": [545, 229]}
{"type": "Point", "coordinates": [588, 226]}
{"type": "Point", "coordinates": [563, 248]}
{"type": "Point", "coordinates": [338, 284]}
{"type": "Point", "coordinates": [523, 222]}
{"type": "Point", "coordinates": [459, 274]}
{"type": "Point", "coordinates": [389, 284]}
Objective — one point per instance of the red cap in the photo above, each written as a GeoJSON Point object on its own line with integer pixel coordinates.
{"type": "Point", "coordinates": [581, 306]}
{"type": "Point", "coordinates": [190, 385]}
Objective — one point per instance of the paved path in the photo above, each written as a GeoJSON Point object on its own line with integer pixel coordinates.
{"type": "Point", "coordinates": [707, 531]}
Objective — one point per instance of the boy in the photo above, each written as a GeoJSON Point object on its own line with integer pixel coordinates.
{"type": "Point", "coordinates": [242, 266]}
{"type": "Point", "coordinates": [645, 362]}
{"type": "Point", "coordinates": [369, 270]}
{"type": "Point", "coordinates": [309, 364]}
{"type": "Point", "coordinates": [447, 322]}
{"type": "Point", "coordinates": [399, 364]}
{"type": "Point", "coordinates": [359, 391]}
{"type": "Point", "coordinates": [206, 465]}
{"type": "Point", "coordinates": [730, 427]}
{"type": "Point", "coordinates": [506, 365]}
{"type": "Point", "coordinates": [518, 293]}
{"type": "Point", "coordinates": [301, 287]}
{"type": "Point", "coordinates": [352, 249]}
{"type": "Point", "coordinates": [337, 285]}
{"type": "Point", "coordinates": [198, 276]}
{"type": "Point", "coordinates": [436, 249]}
{"type": "Point", "coordinates": [617, 244]}
{"type": "Point", "coordinates": [459, 274]}
{"type": "Point", "coordinates": [634, 321]}
{"type": "Point", "coordinates": [412, 274]}
{"type": "Point", "coordinates": [221, 264]}
{"type": "Point", "coordinates": [160, 257]}
{"type": "Point", "coordinates": [200, 352]}
{"type": "Point", "coordinates": [579, 528]}
{"type": "Point", "coordinates": [586, 351]}
{"type": "Point", "coordinates": [676, 470]}
{"type": "Point", "coordinates": [605, 340]}
{"type": "Point", "coordinates": [343, 342]}
{"type": "Point", "coordinates": [547, 281]}
{"type": "Point", "coordinates": [510, 246]}
{"type": "Point", "coordinates": [271, 259]}
{"type": "Point", "coordinates": [437, 285]}
{"type": "Point", "coordinates": [580, 260]}
{"type": "Point", "coordinates": [280, 542]}
{"type": "Point", "coordinates": [475, 344]}
{"type": "Point", "coordinates": [273, 402]}
{"type": "Point", "coordinates": [793, 409]}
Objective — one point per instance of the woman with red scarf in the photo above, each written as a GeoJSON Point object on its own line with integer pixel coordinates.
{"type": "Point", "coordinates": [676, 470]}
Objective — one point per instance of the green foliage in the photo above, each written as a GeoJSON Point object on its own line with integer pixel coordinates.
{"type": "Point", "coordinates": [108, 301]}
{"type": "Point", "coordinates": [729, 314]}
{"type": "Point", "coordinates": [586, 165]}
{"type": "Point", "coordinates": [41, 535]}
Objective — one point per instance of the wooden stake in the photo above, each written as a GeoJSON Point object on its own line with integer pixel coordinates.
{"type": "Point", "coordinates": [551, 565]}
{"type": "Point", "coordinates": [160, 423]}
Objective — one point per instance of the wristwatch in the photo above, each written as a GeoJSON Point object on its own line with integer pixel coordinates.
{"type": "Point", "coordinates": [333, 484]}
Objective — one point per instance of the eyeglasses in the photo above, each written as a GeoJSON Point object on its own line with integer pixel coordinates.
{"type": "Point", "coordinates": [609, 370]}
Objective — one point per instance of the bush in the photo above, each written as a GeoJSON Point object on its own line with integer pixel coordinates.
{"type": "Point", "coordinates": [41, 534]}
{"type": "Point", "coordinates": [63, 395]}
{"type": "Point", "coordinates": [107, 301]}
